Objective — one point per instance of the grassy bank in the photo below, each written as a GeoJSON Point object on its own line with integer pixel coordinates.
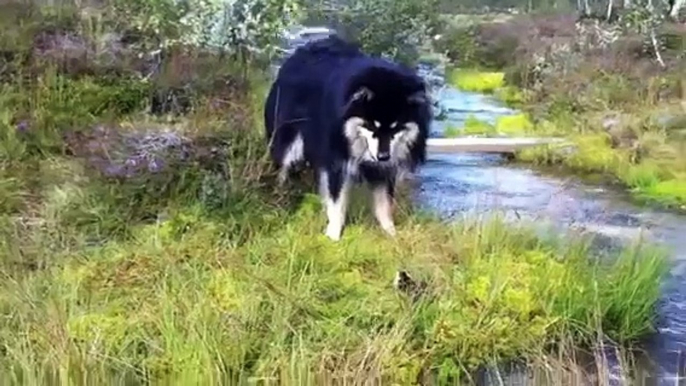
{"type": "Point", "coordinates": [486, 82]}
{"type": "Point", "coordinates": [625, 112]}
{"type": "Point", "coordinates": [139, 247]}
{"type": "Point", "coordinates": [518, 125]}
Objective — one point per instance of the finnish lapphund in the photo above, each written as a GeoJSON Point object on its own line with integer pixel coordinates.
{"type": "Point", "coordinates": [353, 118]}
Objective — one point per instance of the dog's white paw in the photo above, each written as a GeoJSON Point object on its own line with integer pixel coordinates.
{"type": "Point", "coordinates": [389, 229]}
{"type": "Point", "coordinates": [333, 231]}
{"type": "Point", "coordinates": [282, 178]}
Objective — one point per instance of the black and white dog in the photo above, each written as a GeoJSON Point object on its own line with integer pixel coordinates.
{"type": "Point", "coordinates": [352, 117]}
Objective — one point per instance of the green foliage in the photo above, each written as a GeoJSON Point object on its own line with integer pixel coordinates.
{"type": "Point", "coordinates": [515, 124]}
{"type": "Point", "coordinates": [233, 26]}
{"type": "Point", "coordinates": [463, 44]}
{"type": "Point", "coordinates": [459, 45]}
{"type": "Point", "coordinates": [477, 81]}
{"type": "Point", "coordinates": [509, 125]}
{"type": "Point", "coordinates": [575, 79]}
{"type": "Point", "coordinates": [671, 192]}
{"type": "Point", "coordinates": [474, 126]}
{"type": "Point", "coordinates": [512, 96]}
{"type": "Point", "coordinates": [398, 29]}
{"type": "Point", "coordinates": [452, 132]}
{"type": "Point", "coordinates": [56, 105]}
{"type": "Point", "coordinates": [257, 288]}
{"type": "Point", "coordinates": [593, 153]}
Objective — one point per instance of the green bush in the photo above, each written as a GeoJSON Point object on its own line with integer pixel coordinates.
{"type": "Point", "coordinates": [399, 29]}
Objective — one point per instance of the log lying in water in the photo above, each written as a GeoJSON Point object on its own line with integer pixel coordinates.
{"type": "Point", "coordinates": [485, 145]}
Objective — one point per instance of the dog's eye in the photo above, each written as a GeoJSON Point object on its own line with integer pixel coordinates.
{"type": "Point", "coordinates": [398, 130]}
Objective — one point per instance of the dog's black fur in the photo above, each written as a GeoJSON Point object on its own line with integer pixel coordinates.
{"type": "Point", "coordinates": [346, 114]}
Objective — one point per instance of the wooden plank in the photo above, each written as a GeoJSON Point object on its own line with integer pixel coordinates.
{"type": "Point", "coordinates": [485, 145]}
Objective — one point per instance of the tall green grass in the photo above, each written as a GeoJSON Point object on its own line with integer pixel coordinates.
{"type": "Point", "coordinates": [193, 276]}
{"type": "Point", "coordinates": [187, 299]}
{"type": "Point", "coordinates": [205, 272]}
{"type": "Point", "coordinates": [507, 125]}
{"type": "Point", "coordinates": [478, 81]}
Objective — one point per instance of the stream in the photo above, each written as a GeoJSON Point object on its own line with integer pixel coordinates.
{"type": "Point", "coordinates": [463, 184]}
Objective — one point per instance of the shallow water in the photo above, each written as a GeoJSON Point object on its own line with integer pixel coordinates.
{"type": "Point", "coordinates": [463, 184]}
{"type": "Point", "coordinates": [460, 105]}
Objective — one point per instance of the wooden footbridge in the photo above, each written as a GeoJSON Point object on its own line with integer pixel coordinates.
{"type": "Point", "coordinates": [500, 145]}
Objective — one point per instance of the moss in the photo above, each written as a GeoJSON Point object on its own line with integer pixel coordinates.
{"type": "Point", "coordinates": [488, 83]}
{"type": "Point", "coordinates": [510, 95]}
{"type": "Point", "coordinates": [452, 132]}
{"type": "Point", "coordinates": [512, 125]}
{"type": "Point", "coordinates": [670, 192]}
{"type": "Point", "coordinates": [474, 126]}
{"type": "Point", "coordinates": [515, 124]}
{"type": "Point", "coordinates": [476, 81]}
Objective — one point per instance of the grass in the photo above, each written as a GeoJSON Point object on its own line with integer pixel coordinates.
{"type": "Point", "coordinates": [648, 165]}
{"type": "Point", "coordinates": [476, 81]}
{"type": "Point", "coordinates": [486, 82]}
{"type": "Point", "coordinates": [186, 300]}
{"type": "Point", "coordinates": [507, 125]}
{"type": "Point", "coordinates": [138, 248]}
{"type": "Point", "coordinates": [462, 20]}
{"type": "Point", "coordinates": [192, 276]}
{"type": "Point", "coordinates": [625, 113]}
{"type": "Point", "coordinates": [638, 151]}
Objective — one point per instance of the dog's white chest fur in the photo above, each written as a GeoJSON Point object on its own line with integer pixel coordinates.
{"type": "Point", "coordinates": [365, 146]}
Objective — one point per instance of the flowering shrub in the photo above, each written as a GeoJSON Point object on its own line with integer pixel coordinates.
{"type": "Point", "coordinates": [231, 25]}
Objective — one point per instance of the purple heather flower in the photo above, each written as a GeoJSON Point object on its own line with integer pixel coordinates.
{"type": "Point", "coordinates": [155, 165]}
{"type": "Point", "coordinates": [94, 145]}
{"type": "Point", "coordinates": [133, 162]}
{"type": "Point", "coordinates": [115, 171]}
{"type": "Point", "coordinates": [23, 126]}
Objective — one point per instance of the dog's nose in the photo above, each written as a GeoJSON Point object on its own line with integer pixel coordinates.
{"type": "Point", "coordinates": [384, 156]}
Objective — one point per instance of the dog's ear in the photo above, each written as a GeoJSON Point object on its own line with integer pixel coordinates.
{"type": "Point", "coordinates": [363, 94]}
{"type": "Point", "coordinates": [356, 102]}
{"type": "Point", "coordinates": [418, 98]}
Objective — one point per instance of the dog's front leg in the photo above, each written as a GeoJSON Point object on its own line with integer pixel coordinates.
{"type": "Point", "coordinates": [334, 187]}
{"type": "Point", "coordinates": [382, 195]}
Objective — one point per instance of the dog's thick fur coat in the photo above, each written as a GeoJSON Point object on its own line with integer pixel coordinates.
{"type": "Point", "coordinates": [351, 117]}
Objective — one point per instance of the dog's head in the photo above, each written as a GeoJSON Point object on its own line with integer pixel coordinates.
{"type": "Point", "coordinates": [386, 117]}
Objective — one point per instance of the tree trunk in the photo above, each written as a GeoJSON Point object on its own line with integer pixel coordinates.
{"type": "Point", "coordinates": [677, 6]}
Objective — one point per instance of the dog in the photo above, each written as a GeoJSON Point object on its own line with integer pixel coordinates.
{"type": "Point", "coordinates": [351, 117]}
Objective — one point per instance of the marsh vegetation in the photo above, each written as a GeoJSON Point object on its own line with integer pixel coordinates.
{"type": "Point", "coordinates": [143, 239]}
{"type": "Point", "coordinates": [605, 85]}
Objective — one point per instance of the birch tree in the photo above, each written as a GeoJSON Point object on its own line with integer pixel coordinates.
{"type": "Point", "coordinates": [677, 6]}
